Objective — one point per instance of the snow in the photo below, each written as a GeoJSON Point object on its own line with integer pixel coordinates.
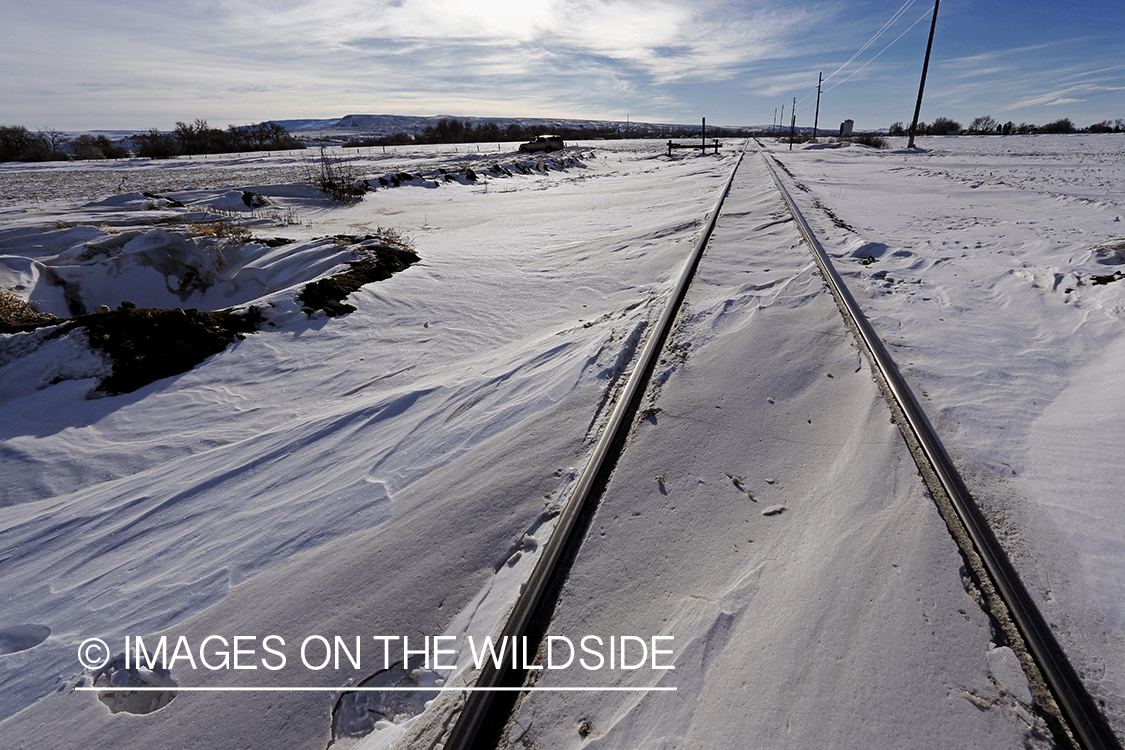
{"type": "Point", "coordinates": [395, 471]}
{"type": "Point", "coordinates": [789, 546]}
{"type": "Point", "coordinates": [988, 283]}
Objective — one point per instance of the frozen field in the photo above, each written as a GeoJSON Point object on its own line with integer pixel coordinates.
{"type": "Point", "coordinates": [394, 470]}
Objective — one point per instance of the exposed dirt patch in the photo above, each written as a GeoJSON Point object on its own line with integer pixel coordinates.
{"type": "Point", "coordinates": [274, 241]}
{"type": "Point", "coordinates": [328, 294]}
{"type": "Point", "coordinates": [1107, 279]}
{"type": "Point", "coordinates": [146, 345]}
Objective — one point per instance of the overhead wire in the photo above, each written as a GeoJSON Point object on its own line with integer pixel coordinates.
{"type": "Point", "coordinates": [879, 33]}
{"type": "Point", "coordinates": [900, 36]}
{"type": "Point", "coordinates": [890, 22]}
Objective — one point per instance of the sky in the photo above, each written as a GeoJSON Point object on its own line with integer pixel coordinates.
{"type": "Point", "coordinates": [78, 65]}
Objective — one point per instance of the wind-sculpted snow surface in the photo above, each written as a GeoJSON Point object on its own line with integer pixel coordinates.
{"type": "Point", "coordinates": [388, 471]}
{"type": "Point", "coordinates": [158, 278]}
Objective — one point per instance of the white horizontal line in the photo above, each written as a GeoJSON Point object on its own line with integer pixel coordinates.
{"type": "Point", "coordinates": [151, 689]}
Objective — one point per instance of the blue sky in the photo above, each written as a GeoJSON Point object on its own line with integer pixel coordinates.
{"type": "Point", "coordinates": [102, 64]}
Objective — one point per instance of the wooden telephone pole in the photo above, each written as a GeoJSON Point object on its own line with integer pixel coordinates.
{"type": "Point", "coordinates": [793, 124]}
{"type": "Point", "coordinates": [816, 118]}
{"type": "Point", "coordinates": [922, 85]}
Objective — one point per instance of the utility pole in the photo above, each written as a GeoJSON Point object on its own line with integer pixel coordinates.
{"type": "Point", "coordinates": [922, 85]}
{"type": "Point", "coordinates": [773, 122]}
{"type": "Point", "coordinates": [793, 124]}
{"type": "Point", "coordinates": [816, 119]}
{"type": "Point", "coordinates": [781, 122]}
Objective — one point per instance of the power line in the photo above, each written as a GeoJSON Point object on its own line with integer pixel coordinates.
{"type": "Point", "coordinates": [900, 36]}
{"type": "Point", "coordinates": [871, 41]}
{"type": "Point", "coordinates": [890, 22]}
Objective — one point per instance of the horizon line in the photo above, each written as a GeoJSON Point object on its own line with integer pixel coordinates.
{"type": "Point", "coordinates": [466, 689]}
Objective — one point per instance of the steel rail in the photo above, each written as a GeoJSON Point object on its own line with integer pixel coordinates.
{"type": "Point", "coordinates": [1085, 720]}
{"type": "Point", "coordinates": [601, 463]}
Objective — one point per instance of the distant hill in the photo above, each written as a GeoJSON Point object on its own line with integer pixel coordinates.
{"type": "Point", "coordinates": [362, 126]}
{"type": "Point", "coordinates": [374, 126]}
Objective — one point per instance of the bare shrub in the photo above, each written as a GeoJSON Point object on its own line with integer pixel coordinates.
{"type": "Point", "coordinates": [874, 140]}
{"type": "Point", "coordinates": [943, 126]}
{"type": "Point", "coordinates": [1058, 126]}
{"type": "Point", "coordinates": [97, 147]}
{"type": "Point", "coordinates": [17, 143]}
{"type": "Point", "coordinates": [333, 177]}
{"type": "Point", "coordinates": [155, 145]}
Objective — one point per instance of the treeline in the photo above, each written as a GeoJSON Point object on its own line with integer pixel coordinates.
{"type": "Point", "coordinates": [17, 143]}
{"type": "Point", "coordinates": [455, 131]}
{"type": "Point", "coordinates": [988, 126]}
{"type": "Point", "coordinates": [200, 138]}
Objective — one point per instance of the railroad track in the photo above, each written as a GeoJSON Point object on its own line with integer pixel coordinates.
{"type": "Point", "coordinates": [490, 703]}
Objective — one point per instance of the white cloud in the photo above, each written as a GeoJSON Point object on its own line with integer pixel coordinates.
{"type": "Point", "coordinates": [1057, 102]}
{"type": "Point", "coordinates": [665, 39]}
{"type": "Point", "coordinates": [1055, 98]}
{"type": "Point", "coordinates": [149, 64]}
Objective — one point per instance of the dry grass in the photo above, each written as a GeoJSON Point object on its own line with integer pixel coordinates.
{"type": "Point", "coordinates": [395, 239]}
{"type": "Point", "coordinates": [222, 229]}
{"type": "Point", "coordinates": [17, 313]}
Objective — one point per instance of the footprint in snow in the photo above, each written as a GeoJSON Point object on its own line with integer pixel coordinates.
{"type": "Point", "coordinates": [740, 484]}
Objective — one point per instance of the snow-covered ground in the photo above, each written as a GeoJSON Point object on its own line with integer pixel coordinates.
{"type": "Point", "coordinates": [394, 471]}
{"type": "Point", "coordinates": [769, 518]}
{"type": "Point", "coordinates": [384, 467]}
{"type": "Point", "coordinates": [993, 267]}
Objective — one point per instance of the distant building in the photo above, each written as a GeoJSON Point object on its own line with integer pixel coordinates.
{"type": "Point", "coordinates": [846, 128]}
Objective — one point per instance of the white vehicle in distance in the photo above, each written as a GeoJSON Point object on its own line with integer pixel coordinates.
{"type": "Point", "coordinates": [543, 143]}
